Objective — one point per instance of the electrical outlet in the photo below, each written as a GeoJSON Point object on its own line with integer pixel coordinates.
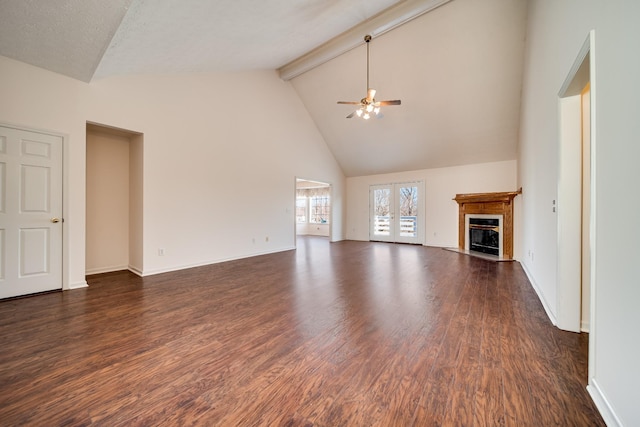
{"type": "Point", "coordinates": [161, 252]}
{"type": "Point", "coordinates": [266, 239]}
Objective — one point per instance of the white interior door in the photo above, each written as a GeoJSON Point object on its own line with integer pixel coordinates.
{"type": "Point", "coordinates": [396, 214]}
{"type": "Point", "coordinates": [30, 212]}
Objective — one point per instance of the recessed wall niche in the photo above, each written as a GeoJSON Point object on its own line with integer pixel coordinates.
{"type": "Point", "coordinates": [113, 199]}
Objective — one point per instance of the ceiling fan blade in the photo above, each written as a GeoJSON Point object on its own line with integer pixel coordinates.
{"type": "Point", "coordinates": [349, 102]}
{"type": "Point", "coordinates": [370, 94]}
{"type": "Point", "coordinates": [351, 115]}
{"type": "Point", "coordinates": [394, 102]}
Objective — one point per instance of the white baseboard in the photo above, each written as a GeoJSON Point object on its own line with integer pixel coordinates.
{"type": "Point", "coordinates": [216, 261]}
{"type": "Point", "coordinates": [603, 405]}
{"type": "Point", "coordinates": [78, 285]}
{"type": "Point", "coordinates": [545, 305]}
{"type": "Point", "coordinates": [135, 270]}
{"type": "Point", "coordinates": [101, 270]}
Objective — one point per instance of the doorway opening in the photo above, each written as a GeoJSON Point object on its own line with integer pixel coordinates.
{"type": "Point", "coordinates": [396, 213]}
{"type": "Point", "coordinates": [575, 194]}
{"type": "Point", "coordinates": [313, 208]}
{"type": "Point", "coordinates": [114, 159]}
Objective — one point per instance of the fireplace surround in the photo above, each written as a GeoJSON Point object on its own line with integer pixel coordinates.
{"type": "Point", "coordinates": [487, 205]}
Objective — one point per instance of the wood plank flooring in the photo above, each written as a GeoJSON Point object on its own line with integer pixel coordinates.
{"type": "Point", "coordinates": [341, 334]}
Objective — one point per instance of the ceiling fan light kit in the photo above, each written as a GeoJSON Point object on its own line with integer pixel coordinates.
{"type": "Point", "coordinates": [369, 107]}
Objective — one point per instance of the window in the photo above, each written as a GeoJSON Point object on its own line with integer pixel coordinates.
{"type": "Point", "coordinates": [301, 209]}
{"type": "Point", "coordinates": [313, 205]}
{"type": "Point", "coordinates": [319, 209]}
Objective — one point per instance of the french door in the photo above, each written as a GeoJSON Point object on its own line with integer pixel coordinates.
{"type": "Point", "coordinates": [30, 212]}
{"type": "Point", "coordinates": [396, 213]}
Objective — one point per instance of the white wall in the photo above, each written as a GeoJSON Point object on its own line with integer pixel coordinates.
{"type": "Point", "coordinates": [107, 233]}
{"type": "Point", "coordinates": [202, 158]}
{"type": "Point", "coordinates": [556, 32]}
{"type": "Point", "coordinates": [441, 186]}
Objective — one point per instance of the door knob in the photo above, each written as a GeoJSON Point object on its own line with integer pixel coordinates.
{"type": "Point", "coordinates": [55, 220]}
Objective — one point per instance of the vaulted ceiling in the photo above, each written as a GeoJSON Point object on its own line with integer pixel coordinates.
{"type": "Point", "coordinates": [457, 68]}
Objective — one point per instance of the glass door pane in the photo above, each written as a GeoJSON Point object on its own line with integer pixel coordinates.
{"type": "Point", "coordinates": [408, 208]}
{"type": "Point", "coordinates": [381, 214]}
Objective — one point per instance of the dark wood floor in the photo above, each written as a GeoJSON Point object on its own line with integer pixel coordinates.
{"type": "Point", "coordinates": [342, 334]}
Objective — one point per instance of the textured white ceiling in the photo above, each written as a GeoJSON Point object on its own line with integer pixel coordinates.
{"type": "Point", "coordinates": [457, 69]}
{"type": "Point", "coordinates": [64, 36]}
{"type": "Point", "coordinates": [72, 37]}
{"type": "Point", "coordinates": [196, 35]}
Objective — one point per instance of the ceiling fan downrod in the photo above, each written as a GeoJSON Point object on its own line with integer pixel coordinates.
{"type": "Point", "coordinates": [367, 39]}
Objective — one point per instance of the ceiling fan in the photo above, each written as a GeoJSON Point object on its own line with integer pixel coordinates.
{"type": "Point", "coordinates": [368, 105]}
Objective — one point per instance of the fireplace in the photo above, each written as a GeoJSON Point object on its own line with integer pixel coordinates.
{"type": "Point", "coordinates": [487, 207]}
{"type": "Point", "coordinates": [484, 234]}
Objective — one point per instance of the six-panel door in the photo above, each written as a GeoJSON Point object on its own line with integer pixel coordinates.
{"type": "Point", "coordinates": [30, 212]}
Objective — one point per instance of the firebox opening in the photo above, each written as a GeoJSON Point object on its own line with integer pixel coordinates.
{"type": "Point", "coordinates": [484, 235]}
